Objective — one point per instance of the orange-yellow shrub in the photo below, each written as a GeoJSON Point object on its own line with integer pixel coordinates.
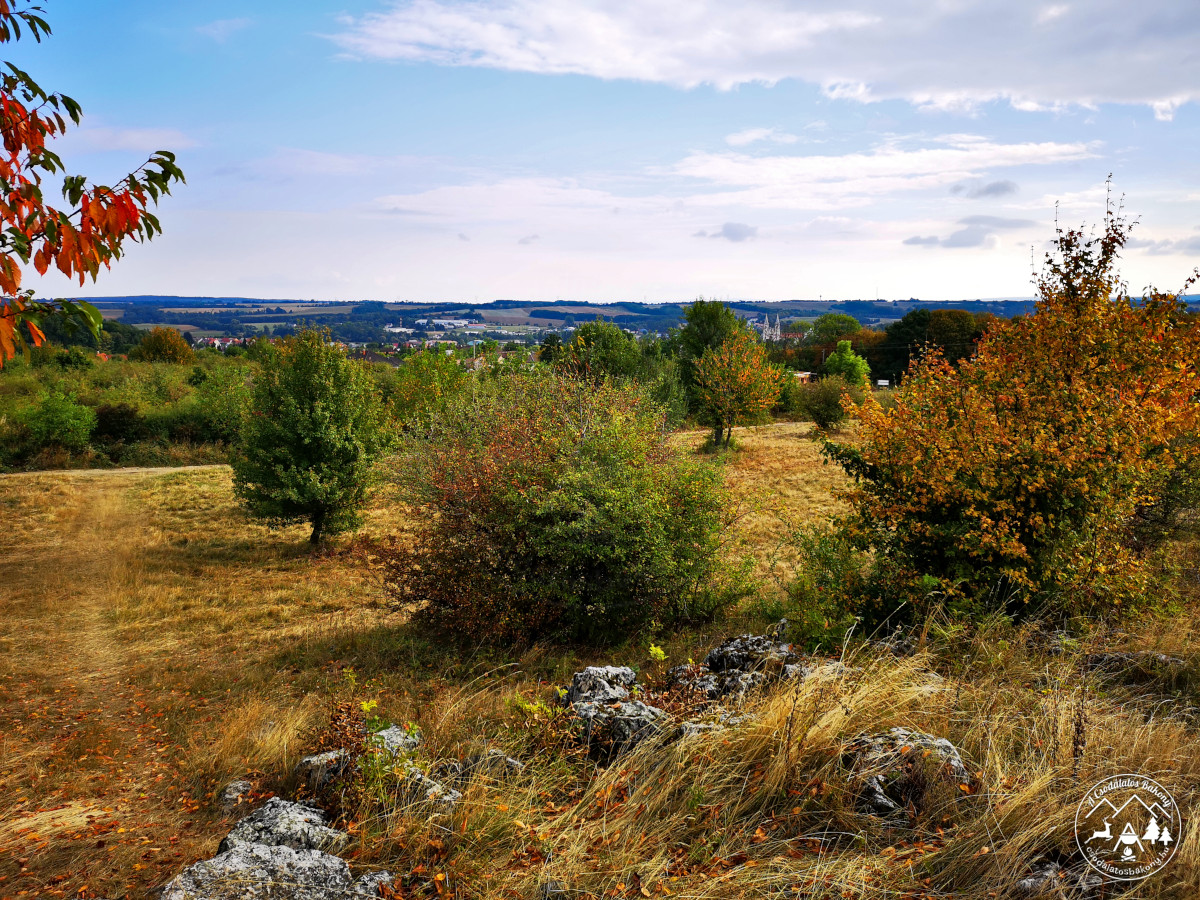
{"type": "Point", "coordinates": [1013, 478]}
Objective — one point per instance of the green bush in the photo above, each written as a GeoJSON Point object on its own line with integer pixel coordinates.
{"type": "Point", "coordinates": [829, 584]}
{"type": "Point", "coordinates": [119, 423]}
{"type": "Point", "coordinates": [821, 401]}
{"type": "Point", "coordinates": [558, 508]}
{"type": "Point", "coordinates": [60, 421]}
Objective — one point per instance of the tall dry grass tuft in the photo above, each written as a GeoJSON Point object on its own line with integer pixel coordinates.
{"type": "Point", "coordinates": [256, 736]}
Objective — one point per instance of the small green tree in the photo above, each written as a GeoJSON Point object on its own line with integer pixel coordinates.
{"type": "Point", "coordinates": [832, 327]}
{"type": "Point", "coordinates": [852, 368]}
{"type": "Point", "coordinates": [316, 426]}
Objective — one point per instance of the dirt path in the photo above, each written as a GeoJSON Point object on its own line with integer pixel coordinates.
{"type": "Point", "coordinates": [92, 797]}
{"type": "Point", "coordinates": [129, 470]}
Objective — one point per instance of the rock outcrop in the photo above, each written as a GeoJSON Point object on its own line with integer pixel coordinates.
{"type": "Point", "coordinates": [614, 723]}
{"type": "Point", "coordinates": [891, 769]}
{"type": "Point", "coordinates": [282, 823]}
{"type": "Point", "coordinates": [261, 872]}
{"type": "Point", "coordinates": [1050, 879]}
{"type": "Point", "coordinates": [321, 769]}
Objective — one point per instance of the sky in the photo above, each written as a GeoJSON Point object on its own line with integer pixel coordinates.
{"type": "Point", "coordinates": [657, 150]}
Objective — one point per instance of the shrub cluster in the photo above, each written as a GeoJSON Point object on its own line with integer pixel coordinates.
{"type": "Point", "coordinates": [1015, 481]}
{"type": "Point", "coordinates": [556, 507]}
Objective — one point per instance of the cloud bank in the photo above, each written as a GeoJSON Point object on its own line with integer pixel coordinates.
{"type": "Point", "coordinates": [946, 55]}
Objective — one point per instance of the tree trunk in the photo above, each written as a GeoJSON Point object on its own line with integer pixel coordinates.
{"type": "Point", "coordinates": [318, 528]}
{"type": "Point", "coordinates": [718, 431]}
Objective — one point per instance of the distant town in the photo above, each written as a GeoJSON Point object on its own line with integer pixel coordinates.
{"type": "Point", "coordinates": [221, 321]}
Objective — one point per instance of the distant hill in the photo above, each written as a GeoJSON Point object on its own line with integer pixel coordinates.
{"type": "Point", "coordinates": [365, 321]}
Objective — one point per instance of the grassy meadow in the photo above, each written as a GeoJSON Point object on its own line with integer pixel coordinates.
{"type": "Point", "coordinates": [155, 644]}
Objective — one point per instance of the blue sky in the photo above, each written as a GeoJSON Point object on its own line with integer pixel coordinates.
{"type": "Point", "coordinates": [631, 149]}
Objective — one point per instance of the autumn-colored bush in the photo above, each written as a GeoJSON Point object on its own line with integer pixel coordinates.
{"type": "Point", "coordinates": [164, 345]}
{"type": "Point", "coordinates": [1012, 481]}
{"type": "Point", "coordinates": [735, 384]}
{"type": "Point", "coordinates": [553, 507]}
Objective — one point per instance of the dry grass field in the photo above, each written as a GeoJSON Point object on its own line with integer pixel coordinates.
{"type": "Point", "coordinates": [154, 645]}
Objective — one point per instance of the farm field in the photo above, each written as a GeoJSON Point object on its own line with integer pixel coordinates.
{"type": "Point", "coordinates": [154, 644]}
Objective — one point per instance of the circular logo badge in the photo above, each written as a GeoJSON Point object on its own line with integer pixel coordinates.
{"type": "Point", "coordinates": [1127, 827]}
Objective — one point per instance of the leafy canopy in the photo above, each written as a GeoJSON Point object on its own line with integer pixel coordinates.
{"type": "Point", "coordinates": [315, 428]}
{"type": "Point", "coordinates": [848, 365]}
{"type": "Point", "coordinates": [78, 238]}
{"type": "Point", "coordinates": [601, 349]}
{"type": "Point", "coordinates": [735, 383]}
{"type": "Point", "coordinates": [554, 507]}
{"type": "Point", "coordinates": [164, 345]}
{"type": "Point", "coordinates": [1014, 478]}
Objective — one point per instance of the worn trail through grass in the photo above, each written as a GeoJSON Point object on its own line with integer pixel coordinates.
{"type": "Point", "coordinates": [91, 789]}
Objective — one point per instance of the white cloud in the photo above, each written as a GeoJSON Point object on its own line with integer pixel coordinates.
{"type": "Point", "coordinates": [855, 179]}
{"type": "Point", "coordinates": [134, 140]}
{"type": "Point", "coordinates": [223, 29]}
{"type": "Point", "coordinates": [753, 135]}
{"type": "Point", "coordinates": [947, 55]}
{"type": "Point", "coordinates": [1048, 14]}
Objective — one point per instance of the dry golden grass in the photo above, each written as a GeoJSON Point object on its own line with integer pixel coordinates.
{"type": "Point", "coordinates": [154, 645]}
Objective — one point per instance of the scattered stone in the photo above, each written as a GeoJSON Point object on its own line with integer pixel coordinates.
{"type": "Point", "coordinates": [622, 726]}
{"type": "Point", "coordinates": [886, 765]}
{"type": "Point", "coordinates": [614, 724]}
{"type": "Point", "coordinates": [260, 872]}
{"type": "Point", "coordinates": [897, 644]}
{"type": "Point", "coordinates": [369, 884]}
{"type": "Point", "coordinates": [396, 740]}
{"type": "Point", "coordinates": [420, 788]}
{"type": "Point", "coordinates": [321, 769]}
{"type": "Point", "coordinates": [494, 764]}
{"type": "Point", "coordinates": [691, 729]}
{"type": "Point", "coordinates": [601, 684]}
{"type": "Point", "coordinates": [233, 795]}
{"type": "Point", "coordinates": [749, 652]}
{"type": "Point", "coordinates": [703, 682]}
{"type": "Point", "coordinates": [282, 823]}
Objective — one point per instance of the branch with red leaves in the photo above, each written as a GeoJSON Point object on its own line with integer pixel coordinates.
{"type": "Point", "coordinates": [83, 236]}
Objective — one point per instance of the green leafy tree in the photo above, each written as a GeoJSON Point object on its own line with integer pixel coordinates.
{"type": "Point", "coordinates": [315, 429]}
{"type": "Point", "coordinates": [551, 349]}
{"type": "Point", "coordinates": [848, 365]}
{"type": "Point", "coordinates": [832, 327]}
{"type": "Point", "coordinates": [601, 349]}
{"type": "Point", "coordinates": [706, 326]}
